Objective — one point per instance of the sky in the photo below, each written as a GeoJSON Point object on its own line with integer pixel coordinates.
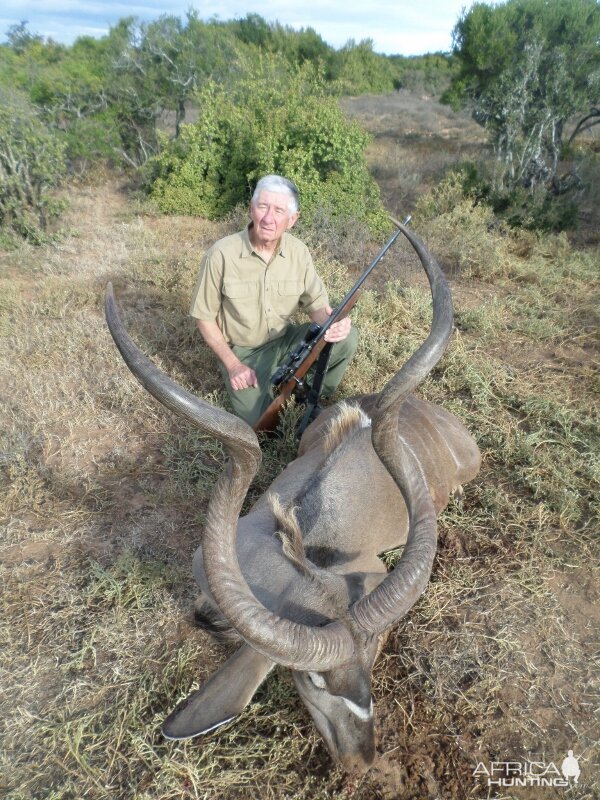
{"type": "Point", "coordinates": [406, 27]}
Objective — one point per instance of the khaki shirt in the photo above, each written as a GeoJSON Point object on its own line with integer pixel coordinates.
{"type": "Point", "coordinates": [252, 301]}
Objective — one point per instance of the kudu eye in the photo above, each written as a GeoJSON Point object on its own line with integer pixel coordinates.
{"type": "Point", "coordinates": [317, 680]}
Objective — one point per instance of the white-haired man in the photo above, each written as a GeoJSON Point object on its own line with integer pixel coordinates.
{"type": "Point", "coordinates": [249, 286]}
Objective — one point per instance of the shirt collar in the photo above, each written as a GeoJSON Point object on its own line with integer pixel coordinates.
{"type": "Point", "coordinates": [248, 250]}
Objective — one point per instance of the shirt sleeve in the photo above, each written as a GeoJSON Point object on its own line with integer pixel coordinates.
{"type": "Point", "coordinates": [207, 295]}
{"type": "Point", "coordinates": [314, 295]}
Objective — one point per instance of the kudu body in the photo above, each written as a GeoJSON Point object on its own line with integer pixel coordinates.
{"type": "Point", "coordinates": [298, 578]}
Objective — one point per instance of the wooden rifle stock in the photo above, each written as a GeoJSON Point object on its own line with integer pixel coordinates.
{"type": "Point", "coordinates": [270, 416]}
{"type": "Point", "coordinates": [305, 355]}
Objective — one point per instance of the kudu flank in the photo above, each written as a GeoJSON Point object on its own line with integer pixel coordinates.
{"type": "Point", "coordinates": [298, 578]}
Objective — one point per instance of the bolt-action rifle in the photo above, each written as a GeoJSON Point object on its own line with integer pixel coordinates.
{"type": "Point", "coordinates": [289, 377]}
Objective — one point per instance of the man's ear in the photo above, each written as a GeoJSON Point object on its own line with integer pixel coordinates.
{"type": "Point", "coordinates": [292, 220]}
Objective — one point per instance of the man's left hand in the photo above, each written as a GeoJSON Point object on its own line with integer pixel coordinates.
{"type": "Point", "coordinates": [339, 330]}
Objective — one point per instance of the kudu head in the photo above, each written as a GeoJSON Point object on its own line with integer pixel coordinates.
{"type": "Point", "coordinates": [340, 703]}
{"type": "Point", "coordinates": [330, 646]}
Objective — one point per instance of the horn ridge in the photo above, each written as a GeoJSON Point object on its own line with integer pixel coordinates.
{"type": "Point", "coordinates": [400, 590]}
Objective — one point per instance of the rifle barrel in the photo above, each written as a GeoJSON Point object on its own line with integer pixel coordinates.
{"type": "Point", "coordinates": [362, 279]}
{"type": "Point", "coordinates": [297, 362]}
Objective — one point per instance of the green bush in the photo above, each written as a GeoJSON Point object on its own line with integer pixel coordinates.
{"type": "Point", "coordinates": [429, 73]}
{"type": "Point", "coordinates": [92, 141]}
{"type": "Point", "coordinates": [357, 69]}
{"type": "Point", "coordinates": [31, 164]}
{"type": "Point", "coordinates": [293, 128]}
{"type": "Point", "coordinates": [537, 210]}
{"type": "Point", "coordinates": [462, 232]}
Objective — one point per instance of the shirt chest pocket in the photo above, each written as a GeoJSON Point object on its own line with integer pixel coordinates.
{"type": "Point", "coordinates": [240, 300]}
{"type": "Point", "coordinates": [288, 295]}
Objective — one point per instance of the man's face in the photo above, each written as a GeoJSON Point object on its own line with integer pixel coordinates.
{"type": "Point", "coordinates": [271, 216]}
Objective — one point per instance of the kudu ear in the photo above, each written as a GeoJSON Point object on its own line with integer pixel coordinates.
{"type": "Point", "coordinates": [223, 696]}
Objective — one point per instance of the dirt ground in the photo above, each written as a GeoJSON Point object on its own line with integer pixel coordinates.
{"type": "Point", "coordinates": [495, 673]}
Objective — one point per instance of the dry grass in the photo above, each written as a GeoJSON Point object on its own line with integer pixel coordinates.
{"type": "Point", "coordinates": [104, 493]}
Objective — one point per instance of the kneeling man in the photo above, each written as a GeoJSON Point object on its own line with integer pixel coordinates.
{"type": "Point", "coordinates": [249, 286]}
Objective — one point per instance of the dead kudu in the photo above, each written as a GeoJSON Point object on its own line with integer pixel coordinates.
{"type": "Point", "coordinates": [298, 579]}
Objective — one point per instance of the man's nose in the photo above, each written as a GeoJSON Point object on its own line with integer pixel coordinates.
{"type": "Point", "coordinates": [269, 215]}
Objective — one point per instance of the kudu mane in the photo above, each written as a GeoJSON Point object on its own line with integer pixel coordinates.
{"type": "Point", "coordinates": [349, 418]}
{"type": "Point", "coordinates": [290, 534]}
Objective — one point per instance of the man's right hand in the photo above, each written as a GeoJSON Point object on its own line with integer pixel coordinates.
{"type": "Point", "coordinates": [242, 377]}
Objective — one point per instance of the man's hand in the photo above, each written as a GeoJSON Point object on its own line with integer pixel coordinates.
{"type": "Point", "coordinates": [339, 330]}
{"type": "Point", "coordinates": [242, 377]}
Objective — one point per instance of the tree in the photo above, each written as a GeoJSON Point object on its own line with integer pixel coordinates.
{"type": "Point", "coordinates": [359, 70]}
{"type": "Point", "coordinates": [293, 128]}
{"type": "Point", "coordinates": [159, 67]}
{"type": "Point", "coordinates": [254, 29]}
{"type": "Point", "coordinates": [527, 67]}
{"type": "Point", "coordinates": [31, 164]}
{"type": "Point", "coordinates": [19, 37]}
{"type": "Point", "coordinates": [72, 89]}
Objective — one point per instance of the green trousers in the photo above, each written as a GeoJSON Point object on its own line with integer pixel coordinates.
{"type": "Point", "coordinates": [250, 403]}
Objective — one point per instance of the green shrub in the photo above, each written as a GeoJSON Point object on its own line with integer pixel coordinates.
{"type": "Point", "coordinates": [519, 208]}
{"type": "Point", "coordinates": [356, 69]}
{"type": "Point", "coordinates": [462, 231]}
{"type": "Point", "coordinates": [31, 163]}
{"type": "Point", "coordinates": [537, 211]}
{"type": "Point", "coordinates": [92, 141]}
{"type": "Point", "coordinates": [430, 73]}
{"type": "Point", "coordinates": [292, 128]}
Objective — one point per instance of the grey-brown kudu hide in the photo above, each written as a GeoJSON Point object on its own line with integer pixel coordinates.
{"type": "Point", "coordinates": [298, 579]}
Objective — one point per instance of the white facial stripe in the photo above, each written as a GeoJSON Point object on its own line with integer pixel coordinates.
{"type": "Point", "coordinates": [362, 713]}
